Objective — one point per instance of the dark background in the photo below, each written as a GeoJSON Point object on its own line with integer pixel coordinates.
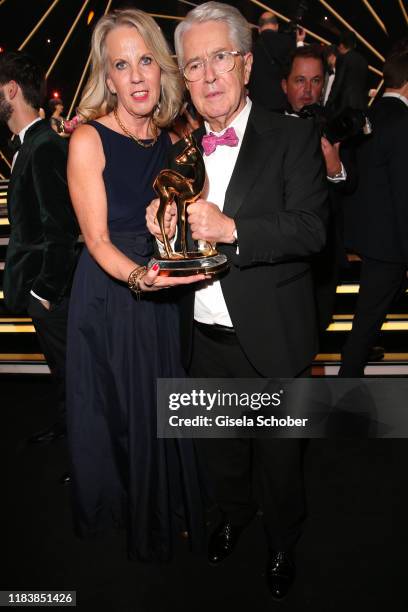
{"type": "Point", "coordinates": [19, 17]}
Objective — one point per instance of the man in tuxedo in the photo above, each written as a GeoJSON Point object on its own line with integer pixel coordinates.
{"type": "Point", "coordinates": [43, 232]}
{"type": "Point", "coordinates": [265, 208]}
{"type": "Point", "coordinates": [350, 86]}
{"type": "Point", "coordinates": [376, 215]}
{"type": "Point", "coordinates": [330, 54]}
{"type": "Point", "coordinates": [303, 86]}
{"type": "Point", "coordinates": [270, 54]}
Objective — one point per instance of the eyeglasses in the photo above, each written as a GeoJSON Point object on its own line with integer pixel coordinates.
{"type": "Point", "coordinates": [220, 62]}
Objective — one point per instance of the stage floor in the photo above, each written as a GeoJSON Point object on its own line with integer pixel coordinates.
{"type": "Point", "coordinates": [352, 554]}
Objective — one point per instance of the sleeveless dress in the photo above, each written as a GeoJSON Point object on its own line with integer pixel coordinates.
{"type": "Point", "coordinates": [117, 347]}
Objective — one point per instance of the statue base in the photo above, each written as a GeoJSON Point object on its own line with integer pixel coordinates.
{"type": "Point", "coordinates": [194, 263]}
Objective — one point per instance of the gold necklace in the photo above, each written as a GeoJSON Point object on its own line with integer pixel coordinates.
{"type": "Point", "coordinates": [132, 136]}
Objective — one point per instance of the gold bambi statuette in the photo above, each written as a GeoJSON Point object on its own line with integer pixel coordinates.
{"type": "Point", "coordinates": [171, 186]}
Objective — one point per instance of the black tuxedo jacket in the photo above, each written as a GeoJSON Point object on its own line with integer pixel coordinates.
{"type": "Point", "coordinates": [277, 197]}
{"type": "Point", "coordinates": [43, 231]}
{"type": "Point", "coordinates": [350, 87]}
{"type": "Point", "coordinates": [376, 215]}
{"type": "Point", "coordinates": [271, 52]}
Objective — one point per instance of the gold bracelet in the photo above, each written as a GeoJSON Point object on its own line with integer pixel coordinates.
{"type": "Point", "coordinates": [134, 279]}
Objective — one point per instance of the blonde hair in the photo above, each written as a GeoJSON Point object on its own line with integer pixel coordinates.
{"type": "Point", "coordinates": [97, 100]}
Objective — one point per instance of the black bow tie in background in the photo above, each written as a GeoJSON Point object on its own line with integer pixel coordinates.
{"type": "Point", "coordinates": [14, 144]}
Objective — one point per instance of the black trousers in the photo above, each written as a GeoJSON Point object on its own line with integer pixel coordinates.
{"type": "Point", "coordinates": [51, 328]}
{"type": "Point", "coordinates": [326, 268]}
{"type": "Point", "coordinates": [248, 474]}
{"type": "Point", "coordinates": [380, 283]}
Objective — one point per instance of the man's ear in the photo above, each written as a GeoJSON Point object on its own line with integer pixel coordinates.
{"type": "Point", "coordinates": [11, 90]}
{"type": "Point", "coordinates": [284, 85]}
{"type": "Point", "coordinates": [248, 60]}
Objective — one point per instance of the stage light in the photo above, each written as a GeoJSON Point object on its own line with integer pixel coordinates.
{"type": "Point", "coordinates": [81, 80]}
{"type": "Point", "coordinates": [1, 49]}
{"type": "Point", "coordinates": [67, 37]}
{"type": "Point", "coordinates": [49, 41]}
{"type": "Point", "coordinates": [56, 94]}
{"type": "Point", "coordinates": [90, 17]}
{"type": "Point", "coordinates": [349, 26]}
{"type": "Point", "coordinates": [34, 30]}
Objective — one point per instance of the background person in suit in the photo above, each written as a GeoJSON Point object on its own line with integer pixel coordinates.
{"type": "Point", "coordinates": [330, 55]}
{"type": "Point", "coordinates": [265, 209]}
{"type": "Point", "coordinates": [376, 215]}
{"type": "Point", "coordinates": [350, 86]}
{"type": "Point", "coordinates": [43, 232]}
{"type": "Point", "coordinates": [303, 86]}
{"type": "Point", "coordinates": [270, 53]}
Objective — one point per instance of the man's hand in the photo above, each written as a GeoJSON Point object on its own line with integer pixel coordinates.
{"type": "Point", "coordinates": [208, 223]}
{"type": "Point", "coordinates": [331, 155]}
{"type": "Point", "coordinates": [170, 220]}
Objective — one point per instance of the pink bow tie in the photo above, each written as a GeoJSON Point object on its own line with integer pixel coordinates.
{"type": "Point", "coordinates": [210, 141]}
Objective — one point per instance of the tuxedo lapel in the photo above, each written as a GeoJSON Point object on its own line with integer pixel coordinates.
{"type": "Point", "coordinates": [253, 156]}
{"type": "Point", "coordinates": [16, 177]}
{"type": "Point", "coordinates": [22, 157]}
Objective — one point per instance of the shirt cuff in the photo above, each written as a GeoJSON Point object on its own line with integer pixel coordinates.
{"type": "Point", "coordinates": [340, 177]}
{"type": "Point", "coordinates": [38, 297]}
{"type": "Point", "coordinates": [235, 234]}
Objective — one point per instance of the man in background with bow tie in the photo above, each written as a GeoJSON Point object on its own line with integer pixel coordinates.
{"type": "Point", "coordinates": [41, 253]}
{"type": "Point", "coordinates": [264, 206]}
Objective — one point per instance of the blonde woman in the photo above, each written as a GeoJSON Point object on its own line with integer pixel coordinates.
{"type": "Point", "coordinates": [120, 341]}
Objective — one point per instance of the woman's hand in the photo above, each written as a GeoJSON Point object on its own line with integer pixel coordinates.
{"type": "Point", "coordinates": [154, 281]}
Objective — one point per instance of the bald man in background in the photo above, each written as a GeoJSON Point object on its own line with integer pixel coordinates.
{"type": "Point", "coordinates": [271, 51]}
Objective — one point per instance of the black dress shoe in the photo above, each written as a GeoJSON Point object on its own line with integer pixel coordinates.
{"type": "Point", "coordinates": [48, 435]}
{"type": "Point", "coordinates": [280, 574]}
{"type": "Point", "coordinates": [222, 542]}
{"type": "Point", "coordinates": [65, 479]}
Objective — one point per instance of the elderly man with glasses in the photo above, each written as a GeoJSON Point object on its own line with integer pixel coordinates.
{"type": "Point", "coordinates": [264, 208]}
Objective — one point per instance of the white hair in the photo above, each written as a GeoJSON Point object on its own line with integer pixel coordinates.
{"type": "Point", "coordinates": [239, 28]}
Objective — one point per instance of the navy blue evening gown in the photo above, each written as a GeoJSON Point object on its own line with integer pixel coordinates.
{"type": "Point", "coordinates": [117, 348]}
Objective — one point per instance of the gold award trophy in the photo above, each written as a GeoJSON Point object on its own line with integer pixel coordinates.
{"type": "Point", "coordinates": [171, 186]}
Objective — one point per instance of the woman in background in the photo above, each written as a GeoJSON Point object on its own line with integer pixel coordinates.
{"type": "Point", "coordinates": [55, 108]}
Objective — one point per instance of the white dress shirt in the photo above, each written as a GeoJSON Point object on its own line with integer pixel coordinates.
{"type": "Point", "coordinates": [21, 135]}
{"type": "Point", "coordinates": [210, 306]}
{"type": "Point", "coordinates": [329, 85]}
